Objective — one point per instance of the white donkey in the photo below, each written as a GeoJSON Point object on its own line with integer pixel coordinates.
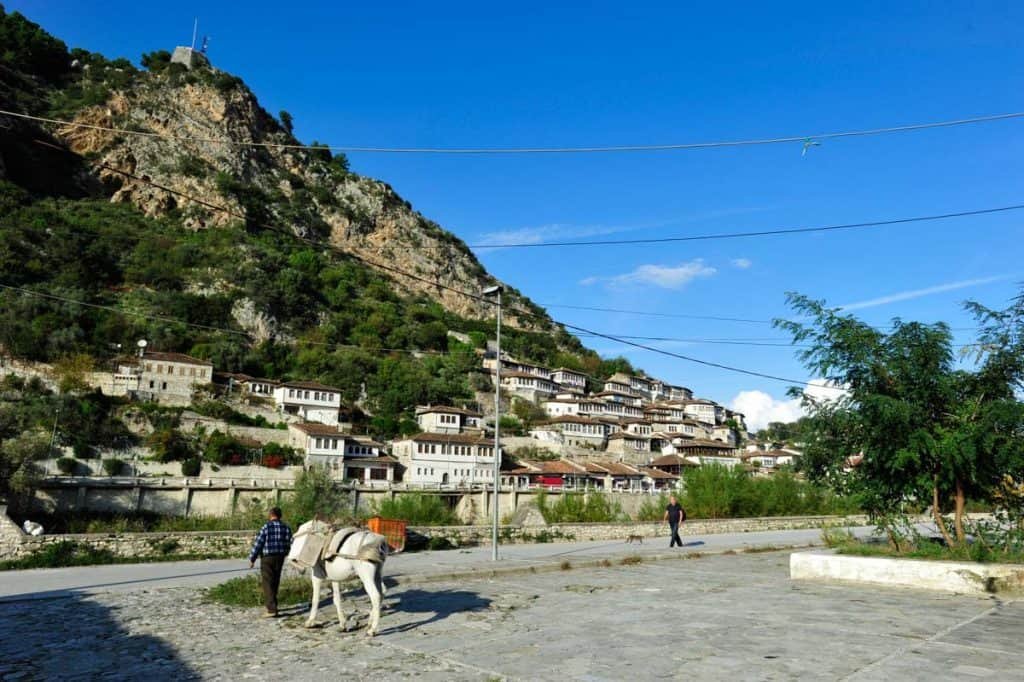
{"type": "Point", "coordinates": [350, 551]}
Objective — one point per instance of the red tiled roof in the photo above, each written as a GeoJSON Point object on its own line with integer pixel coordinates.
{"type": "Point", "coordinates": [314, 429]}
{"type": "Point", "coordinates": [462, 438]}
{"type": "Point", "coordinates": [672, 461]}
{"type": "Point", "coordinates": [613, 468]}
{"type": "Point", "coordinates": [657, 473]}
{"type": "Point", "coordinates": [573, 419]}
{"type": "Point", "coordinates": [316, 386]}
{"type": "Point", "coordinates": [175, 357]}
{"type": "Point", "coordinates": [701, 443]}
{"type": "Point", "coordinates": [446, 409]}
{"type": "Point", "coordinates": [623, 434]}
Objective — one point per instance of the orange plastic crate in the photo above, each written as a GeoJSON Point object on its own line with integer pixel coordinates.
{"type": "Point", "coordinates": [392, 529]}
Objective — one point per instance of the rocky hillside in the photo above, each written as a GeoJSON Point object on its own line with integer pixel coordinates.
{"type": "Point", "coordinates": [184, 228]}
{"type": "Point", "coordinates": [199, 133]}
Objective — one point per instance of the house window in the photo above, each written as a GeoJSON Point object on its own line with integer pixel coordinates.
{"type": "Point", "coordinates": [159, 369]}
{"type": "Point", "coordinates": [164, 386]}
{"type": "Point", "coordinates": [151, 384]}
{"type": "Point", "coordinates": [291, 392]}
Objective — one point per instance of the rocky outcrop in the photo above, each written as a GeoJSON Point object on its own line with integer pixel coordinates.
{"type": "Point", "coordinates": [205, 136]}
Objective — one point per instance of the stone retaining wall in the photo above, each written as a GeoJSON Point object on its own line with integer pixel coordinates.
{"type": "Point", "coordinates": [568, 532]}
{"type": "Point", "coordinates": [236, 543]}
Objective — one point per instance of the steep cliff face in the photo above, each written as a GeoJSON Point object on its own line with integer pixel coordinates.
{"type": "Point", "coordinates": [203, 134]}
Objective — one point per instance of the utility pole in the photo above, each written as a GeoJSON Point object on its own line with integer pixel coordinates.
{"type": "Point", "coordinates": [53, 434]}
{"type": "Point", "coordinates": [489, 291]}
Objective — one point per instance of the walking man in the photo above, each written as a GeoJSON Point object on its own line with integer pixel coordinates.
{"type": "Point", "coordinates": [271, 545]}
{"type": "Point", "coordinates": [675, 515]}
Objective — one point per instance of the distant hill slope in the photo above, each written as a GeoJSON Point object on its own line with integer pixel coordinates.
{"type": "Point", "coordinates": [248, 294]}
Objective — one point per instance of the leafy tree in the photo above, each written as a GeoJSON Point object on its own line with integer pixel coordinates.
{"type": "Point", "coordinates": [25, 46]}
{"type": "Point", "coordinates": [927, 430]}
{"type": "Point", "coordinates": [156, 61]}
{"type": "Point", "coordinates": [19, 474]}
{"type": "Point", "coordinates": [169, 445]}
{"type": "Point", "coordinates": [287, 122]}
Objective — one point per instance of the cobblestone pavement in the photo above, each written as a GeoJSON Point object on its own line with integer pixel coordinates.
{"type": "Point", "coordinates": [722, 617]}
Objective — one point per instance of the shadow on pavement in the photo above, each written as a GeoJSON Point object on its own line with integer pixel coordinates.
{"type": "Point", "coordinates": [79, 638]}
{"type": "Point", "coordinates": [438, 604]}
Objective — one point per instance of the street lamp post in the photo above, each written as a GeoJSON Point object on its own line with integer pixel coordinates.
{"type": "Point", "coordinates": [496, 291]}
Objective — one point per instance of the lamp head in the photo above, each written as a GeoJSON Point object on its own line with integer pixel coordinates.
{"type": "Point", "coordinates": [490, 291]}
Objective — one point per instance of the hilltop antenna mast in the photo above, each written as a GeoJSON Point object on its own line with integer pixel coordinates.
{"type": "Point", "coordinates": [195, 32]}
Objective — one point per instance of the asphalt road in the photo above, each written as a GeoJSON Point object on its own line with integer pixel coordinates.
{"type": "Point", "coordinates": [63, 582]}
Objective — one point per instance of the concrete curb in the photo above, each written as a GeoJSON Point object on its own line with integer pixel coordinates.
{"type": "Point", "coordinates": [601, 562]}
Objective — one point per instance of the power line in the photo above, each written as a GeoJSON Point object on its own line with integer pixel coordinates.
{"type": "Point", "coordinates": [471, 295]}
{"type": "Point", "coordinates": [538, 150]}
{"type": "Point", "coordinates": [754, 233]}
{"type": "Point", "coordinates": [651, 313]}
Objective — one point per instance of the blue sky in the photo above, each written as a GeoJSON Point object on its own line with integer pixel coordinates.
{"type": "Point", "coordinates": [529, 74]}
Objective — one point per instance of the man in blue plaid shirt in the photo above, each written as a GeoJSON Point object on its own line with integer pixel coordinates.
{"type": "Point", "coordinates": [272, 545]}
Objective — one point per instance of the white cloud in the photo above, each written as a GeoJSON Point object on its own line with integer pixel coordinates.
{"type": "Point", "coordinates": [664, 276]}
{"type": "Point", "coordinates": [760, 408]}
{"type": "Point", "coordinates": [918, 293]}
{"type": "Point", "coordinates": [544, 233]}
{"type": "Point", "coordinates": [742, 263]}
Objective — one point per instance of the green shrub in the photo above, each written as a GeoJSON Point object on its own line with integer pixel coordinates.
{"type": "Point", "coordinates": [653, 508]}
{"type": "Point", "coordinates": [439, 542]}
{"type": "Point", "coordinates": [317, 493]}
{"type": "Point", "coordinates": [418, 509]}
{"type": "Point", "coordinates": [580, 508]}
{"type": "Point", "coordinates": [191, 466]}
{"type": "Point", "coordinates": [246, 591]}
{"type": "Point", "coordinates": [67, 465]}
{"type": "Point", "coordinates": [61, 554]}
{"type": "Point", "coordinates": [113, 466]}
{"type": "Point", "coordinates": [716, 492]}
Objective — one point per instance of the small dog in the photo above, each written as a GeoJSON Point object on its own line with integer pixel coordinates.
{"type": "Point", "coordinates": [635, 538]}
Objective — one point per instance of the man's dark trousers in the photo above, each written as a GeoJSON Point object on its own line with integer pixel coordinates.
{"type": "Point", "coordinates": [270, 578]}
{"type": "Point", "coordinates": [676, 540]}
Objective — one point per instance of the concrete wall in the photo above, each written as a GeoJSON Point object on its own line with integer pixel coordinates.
{"type": "Point", "coordinates": [961, 577]}
{"type": "Point", "coordinates": [190, 421]}
{"type": "Point", "coordinates": [237, 543]}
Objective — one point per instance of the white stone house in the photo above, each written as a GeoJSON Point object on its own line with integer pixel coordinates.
{"type": "Point", "coordinates": [346, 456]}
{"type": "Point", "coordinates": [445, 419]}
{"type": "Point", "coordinates": [701, 410]}
{"type": "Point", "coordinates": [724, 433]}
{"type": "Point", "coordinates": [679, 393]}
{"type": "Point", "coordinates": [573, 430]}
{"type": "Point", "coordinates": [556, 407]}
{"type": "Point", "coordinates": [446, 459]}
{"type": "Point", "coordinates": [309, 400]}
{"type": "Point", "coordinates": [529, 386]}
{"type": "Point", "coordinates": [630, 447]}
{"type": "Point", "coordinates": [570, 379]}
{"type": "Point", "coordinates": [168, 378]}
{"type": "Point", "coordinates": [621, 410]}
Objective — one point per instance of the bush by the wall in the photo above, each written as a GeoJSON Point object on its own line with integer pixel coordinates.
{"type": "Point", "coordinates": [113, 466]}
{"type": "Point", "coordinates": [417, 509]}
{"type": "Point", "coordinates": [67, 465]}
{"type": "Point", "coordinates": [191, 466]}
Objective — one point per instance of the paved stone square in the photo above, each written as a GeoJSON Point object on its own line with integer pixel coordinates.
{"type": "Point", "coordinates": [735, 617]}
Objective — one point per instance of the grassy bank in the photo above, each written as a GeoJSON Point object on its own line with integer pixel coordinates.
{"type": "Point", "coordinates": [245, 591]}
{"type": "Point", "coordinates": [924, 548]}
